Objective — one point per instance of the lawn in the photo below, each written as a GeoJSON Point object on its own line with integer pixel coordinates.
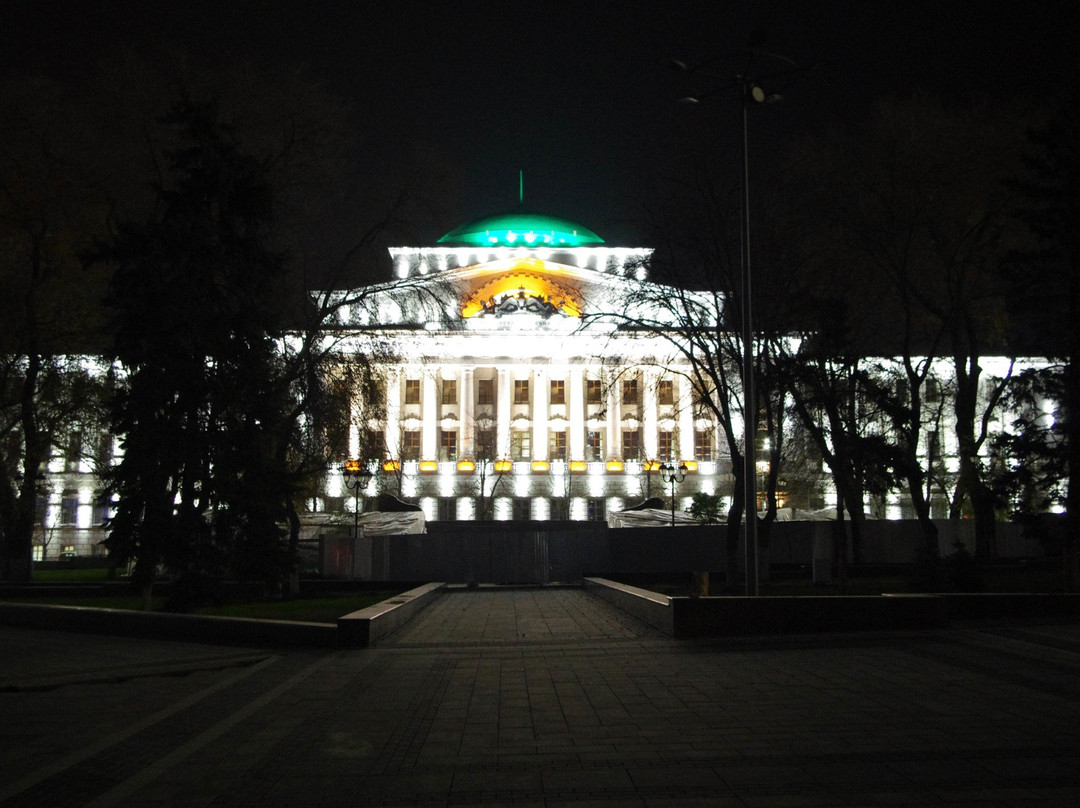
{"type": "Point", "coordinates": [323, 609]}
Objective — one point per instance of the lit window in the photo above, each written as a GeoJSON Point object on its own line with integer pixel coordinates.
{"type": "Point", "coordinates": [595, 446]}
{"type": "Point", "coordinates": [703, 446]}
{"type": "Point", "coordinates": [594, 391]}
{"type": "Point", "coordinates": [410, 446]}
{"type": "Point", "coordinates": [412, 391]}
{"type": "Point", "coordinates": [557, 450]}
{"type": "Point", "coordinates": [631, 444]}
{"type": "Point", "coordinates": [449, 391]}
{"type": "Point", "coordinates": [521, 391]}
{"type": "Point", "coordinates": [558, 391]}
{"type": "Point", "coordinates": [448, 445]}
{"type": "Point", "coordinates": [520, 444]}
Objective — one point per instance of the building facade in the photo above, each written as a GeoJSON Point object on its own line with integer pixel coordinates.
{"type": "Point", "coordinates": [510, 389]}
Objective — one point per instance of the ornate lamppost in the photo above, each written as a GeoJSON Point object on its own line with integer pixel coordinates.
{"type": "Point", "coordinates": [673, 475]}
{"type": "Point", "coordinates": [356, 479]}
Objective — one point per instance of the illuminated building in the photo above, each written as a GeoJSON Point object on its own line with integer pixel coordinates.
{"type": "Point", "coordinates": [510, 388]}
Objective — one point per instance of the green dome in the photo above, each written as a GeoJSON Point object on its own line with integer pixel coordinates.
{"type": "Point", "coordinates": [522, 230]}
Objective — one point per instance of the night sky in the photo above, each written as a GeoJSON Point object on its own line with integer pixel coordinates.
{"type": "Point", "coordinates": [570, 93]}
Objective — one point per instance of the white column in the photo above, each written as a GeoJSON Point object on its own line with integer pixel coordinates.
{"type": "Point", "coordinates": [429, 408]}
{"type": "Point", "coordinates": [575, 378]}
{"type": "Point", "coordinates": [649, 412]}
{"type": "Point", "coordinates": [614, 423]}
{"type": "Point", "coordinates": [685, 448]}
{"type": "Point", "coordinates": [466, 398]}
{"type": "Point", "coordinates": [394, 395]}
{"type": "Point", "coordinates": [540, 395]}
{"type": "Point", "coordinates": [503, 412]}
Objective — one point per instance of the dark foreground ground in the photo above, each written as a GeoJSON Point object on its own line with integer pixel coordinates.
{"type": "Point", "coordinates": [544, 698]}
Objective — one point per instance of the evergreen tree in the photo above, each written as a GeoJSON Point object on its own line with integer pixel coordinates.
{"type": "Point", "coordinates": [194, 295]}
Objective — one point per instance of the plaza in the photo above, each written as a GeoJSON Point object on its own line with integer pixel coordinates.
{"type": "Point", "coordinates": [546, 697]}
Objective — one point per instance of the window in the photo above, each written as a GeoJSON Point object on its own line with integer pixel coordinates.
{"type": "Point", "coordinates": [558, 391]}
{"type": "Point", "coordinates": [446, 509]}
{"type": "Point", "coordinates": [666, 391]}
{"type": "Point", "coordinates": [557, 449]}
{"type": "Point", "coordinates": [629, 391]}
{"type": "Point", "coordinates": [485, 443]}
{"type": "Point", "coordinates": [703, 446]}
{"type": "Point", "coordinates": [631, 444]}
{"type": "Point", "coordinates": [410, 445]}
{"type": "Point", "coordinates": [73, 453]}
{"type": "Point", "coordinates": [520, 444]}
{"type": "Point", "coordinates": [69, 508]}
{"type": "Point", "coordinates": [448, 445]}
{"type": "Point", "coordinates": [485, 391]}
{"type": "Point", "coordinates": [412, 391]}
{"type": "Point", "coordinates": [594, 449]}
{"type": "Point", "coordinates": [374, 447]}
{"type": "Point", "coordinates": [596, 510]}
{"type": "Point", "coordinates": [449, 391]}
{"type": "Point", "coordinates": [102, 509]}
{"type": "Point", "coordinates": [521, 391]}
{"type": "Point", "coordinates": [594, 391]}
{"type": "Point", "coordinates": [522, 510]}
{"type": "Point", "coordinates": [663, 445]}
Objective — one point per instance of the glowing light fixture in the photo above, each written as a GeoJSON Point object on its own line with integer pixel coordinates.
{"type": "Point", "coordinates": [466, 466]}
{"type": "Point", "coordinates": [429, 466]}
{"type": "Point", "coordinates": [614, 466]}
{"type": "Point", "coordinates": [689, 465]}
{"type": "Point", "coordinates": [578, 466]}
{"type": "Point", "coordinates": [391, 465]}
{"type": "Point", "coordinates": [541, 467]}
{"type": "Point", "coordinates": [503, 466]}
{"type": "Point", "coordinates": [650, 465]}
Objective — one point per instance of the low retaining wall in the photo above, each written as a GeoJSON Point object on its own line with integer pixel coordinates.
{"type": "Point", "coordinates": [1023, 605]}
{"type": "Point", "coordinates": [730, 616]}
{"type": "Point", "coordinates": [650, 608]}
{"type": "Point", "coordinates": [167, 626]}
{"type": "Point", "coordinates": [366, 627]}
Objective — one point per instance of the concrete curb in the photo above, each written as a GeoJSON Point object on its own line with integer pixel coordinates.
{"type": "Point", "coordinates": [730, 616]}
{"type": "Point", "coordinates": [366, 627]}
{"type": "Point", "coordinates": [166, 626]}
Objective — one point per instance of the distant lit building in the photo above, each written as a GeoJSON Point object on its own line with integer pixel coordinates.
{"type": "Point", "coordinates": [510, 387]}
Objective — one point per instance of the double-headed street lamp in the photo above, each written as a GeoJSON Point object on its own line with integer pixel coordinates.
{"type": "Point", "coordinates": [751, 94]}
{"type": "Point", "coordinates": [673, 475]}
{"type": "Point", "coordinates": [356, 476]}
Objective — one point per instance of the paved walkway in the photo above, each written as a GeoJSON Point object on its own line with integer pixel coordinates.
{"type": "Point", "coordinates": [545, 698]}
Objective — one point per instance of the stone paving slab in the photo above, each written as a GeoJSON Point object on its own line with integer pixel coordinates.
{"type": "Point", "coordinates": [546, 698]}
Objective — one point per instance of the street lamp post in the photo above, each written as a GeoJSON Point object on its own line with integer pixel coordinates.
{"type": "Point", "coordinates": [673, 475]}
{"type": "Point", "coordinates": [356, 479]}
{"type": "Point", "coordinates": [751, 93]}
